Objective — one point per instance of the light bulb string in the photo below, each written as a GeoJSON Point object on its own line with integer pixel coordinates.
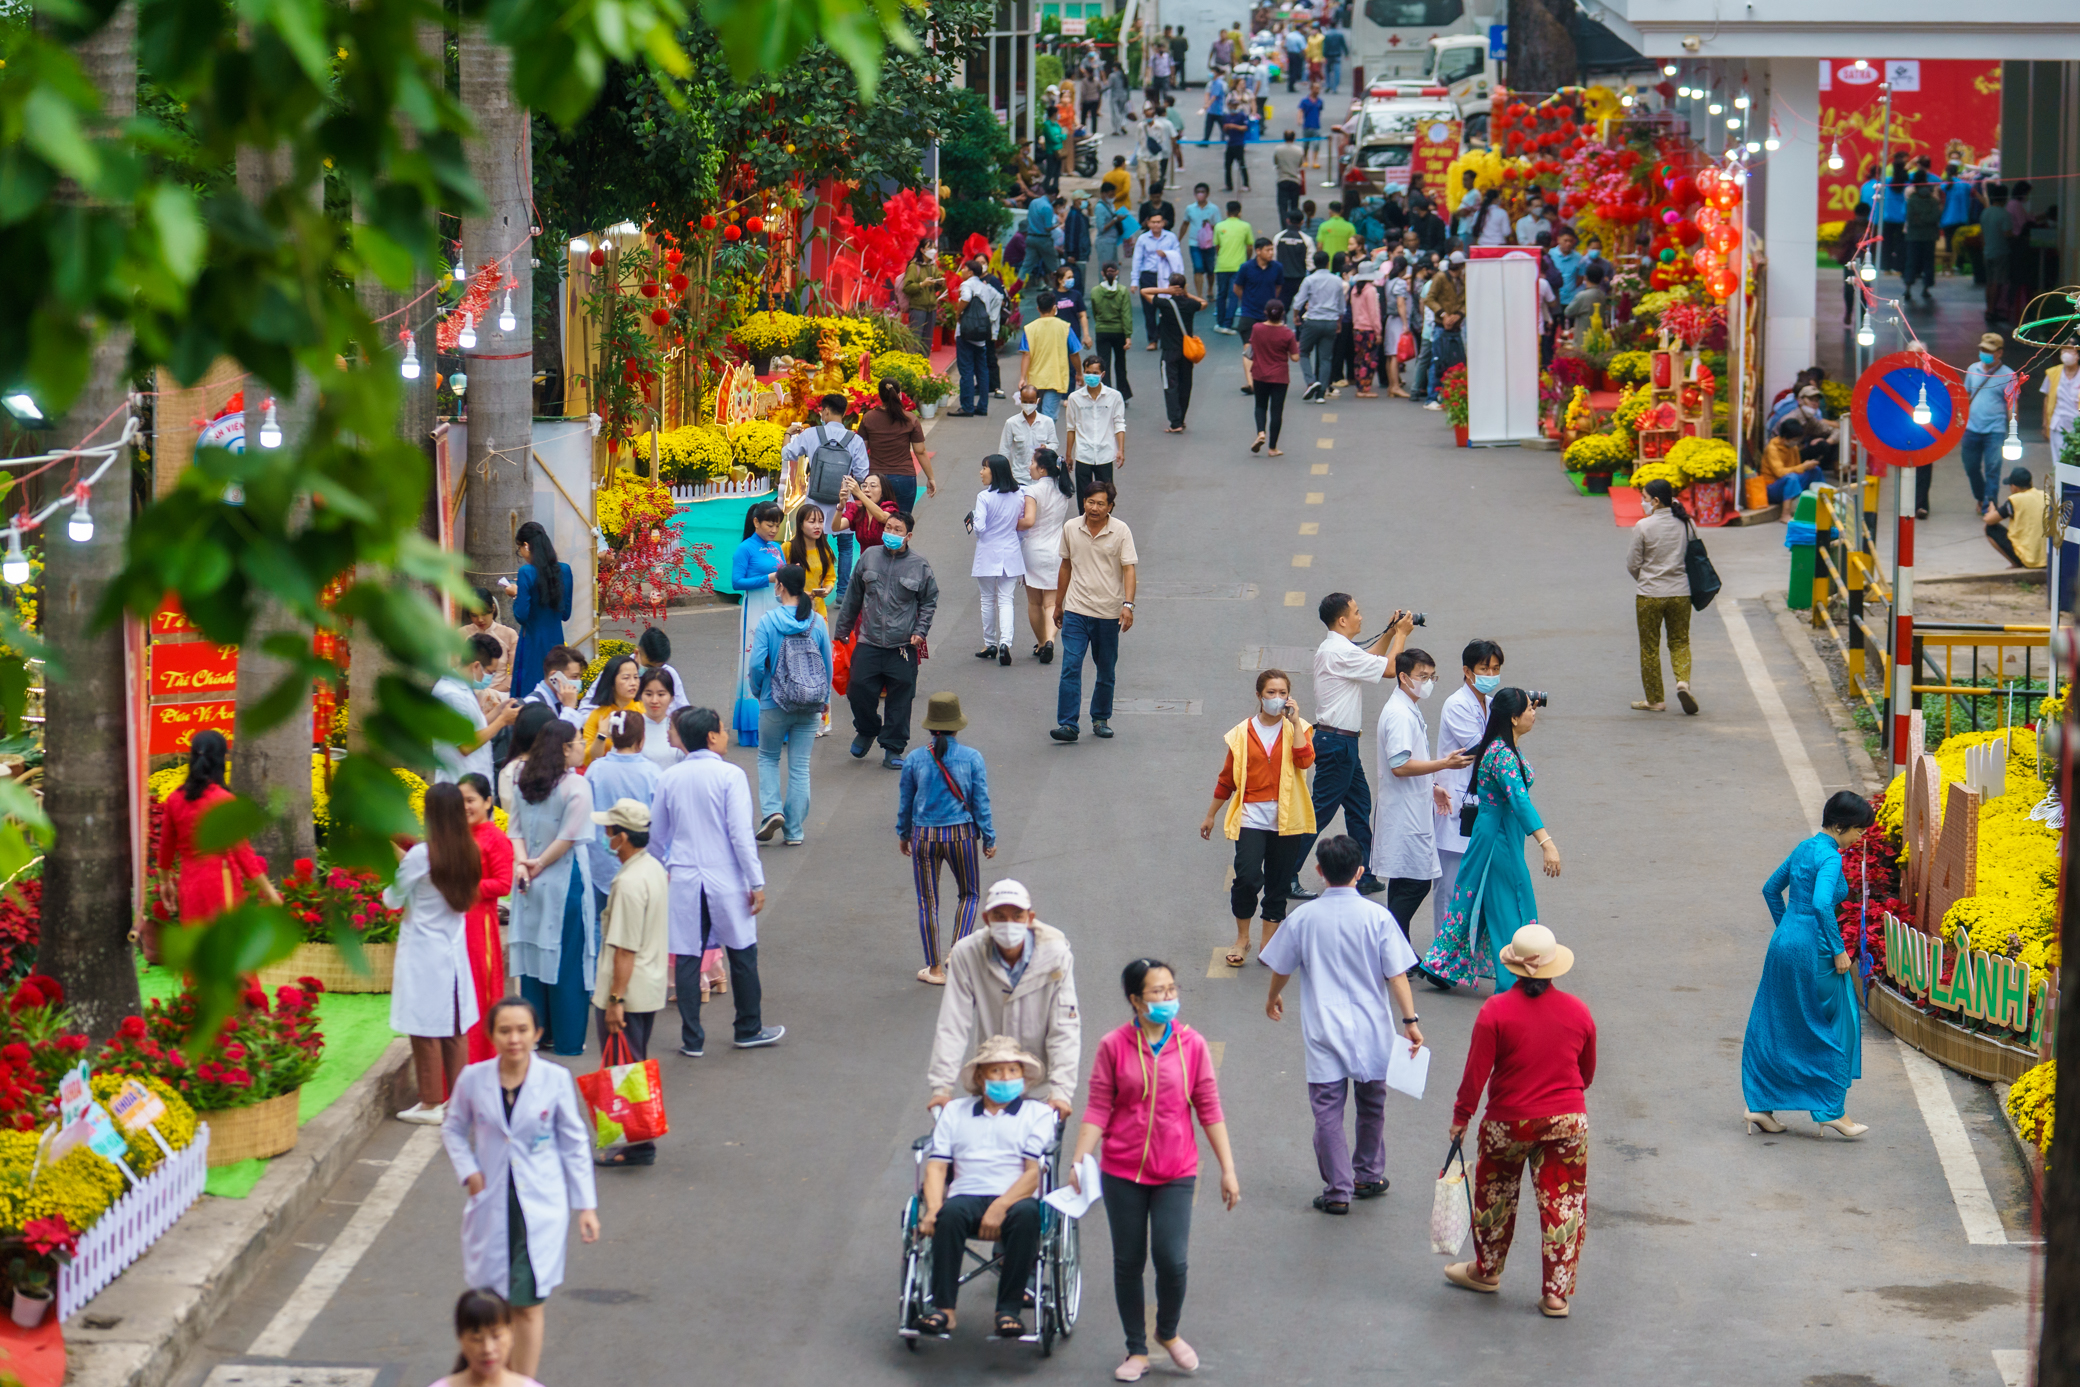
{"type": "Point", "coordinates": [2011, 392]}
{"type": "Point", "coordinates": [76, 493]}
{"type": "Point", "coordinates": [499, 263]}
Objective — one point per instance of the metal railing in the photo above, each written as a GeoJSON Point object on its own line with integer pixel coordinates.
{"type": "Point", "coordinates": [1994, 693]}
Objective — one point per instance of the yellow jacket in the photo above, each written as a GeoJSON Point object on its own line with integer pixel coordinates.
{"type": "Point", "coordinates": [1295, 801]}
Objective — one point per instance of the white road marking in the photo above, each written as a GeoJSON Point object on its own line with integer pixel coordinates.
{"type": "Point", "coordinates": [1805, 781]}
{"type": "Point", "coordinates": [1982, 1222]}
{"type": "Point", "coordinates": [332, 1269]}
{"type": "Point", "coordinates": [2013, 1366]}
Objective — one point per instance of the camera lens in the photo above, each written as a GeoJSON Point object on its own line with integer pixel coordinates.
{"type": "Point", "coordinates": [1538, 697]}
{"type": "Point", "coordinates": [1418, 618]}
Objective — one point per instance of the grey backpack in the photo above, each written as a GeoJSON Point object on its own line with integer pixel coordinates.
{"type": "Point", "coordinates": [828, 464]}
{"type": "Point", "coordinates": [801, 680]}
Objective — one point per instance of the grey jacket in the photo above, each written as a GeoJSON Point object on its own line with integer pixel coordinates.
{"type": "Point", "coordinates": [896, 593]}
{"type": "Point", "coordinates": [1040, 1013]}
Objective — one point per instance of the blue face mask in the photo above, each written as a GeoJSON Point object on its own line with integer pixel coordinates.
{"type": "Point", "coordinates": [1163, 1013]}
{"type": "Point", "coordinates": [1486, 683]}
{"type": "Point", "coordinates": [1594, 254]}
{"type": "Point", "coordinates": [1002, 1091]}
{"type": "Point", "coordinates": [483, 683]}
{"type": "Point", "coordinates": [1986, 358]}
{"type": "Point", "coordinates": [893, 543]}
{"type": "Point", "coordinates": [1093, 381]}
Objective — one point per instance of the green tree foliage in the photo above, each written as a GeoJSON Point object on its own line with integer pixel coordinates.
{"type": "Point", "coordinates": [975, 166]}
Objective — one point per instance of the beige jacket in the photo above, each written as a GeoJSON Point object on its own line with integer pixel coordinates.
{"type": "Point", "coordinates": [1040, 1013]}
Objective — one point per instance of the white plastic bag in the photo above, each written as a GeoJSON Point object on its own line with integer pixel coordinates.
{"type": "Point", "coordinates": [1451, 1207]}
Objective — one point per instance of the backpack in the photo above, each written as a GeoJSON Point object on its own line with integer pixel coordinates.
{"type": "Point", "coordinates": [1292, 255]}
{"type": "Point", "coordinates": [800, 681]}
{"type": "Point", "coordinates": [974, 325]}
{"type": "Point", "coordinates": [829, 462]}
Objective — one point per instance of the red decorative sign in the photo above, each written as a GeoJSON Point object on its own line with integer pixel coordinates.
{"type": "Point", "coordinates": [174, 725]}
{"type": "Point", "coordinates": [1436, 147]}
{"type": "Point", "coordinates": [194, 667]}
{"type": "Point", "coordinates": [170, 620]}
{"type": "Point", "coordinates": [1946, 108]}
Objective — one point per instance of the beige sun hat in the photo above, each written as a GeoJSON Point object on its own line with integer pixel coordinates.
{"type": "Point", "coordinates": [1534, 953]}
{"type": "Point", "coordinates": [998, 1049]}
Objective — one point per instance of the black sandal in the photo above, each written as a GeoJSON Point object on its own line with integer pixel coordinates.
{"type": "Point", "coordinates": [933, 1322]}
{"type": "Point", "coordinates": [1010, 1327]}
{"type": "Point", "coordinates": [621, 1157]}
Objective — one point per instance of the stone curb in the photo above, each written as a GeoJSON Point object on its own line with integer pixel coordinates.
{"type": "Point", "coordinates": [2032, 1159]}
{"type": "Point", "coordinates": [1846, 732]}
{"type": "Point", "coordinates": [137, 1332]}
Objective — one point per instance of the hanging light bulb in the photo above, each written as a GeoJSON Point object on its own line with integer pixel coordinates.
{"type": "Point", "coordinates": [1922, 413]}
{"type": "Point", "coordinates": [1733, 122]}
{"type": "Point", "coordinates": [1771, 143]}
{"type": "Point", "coordinates": [270, 427]}
{"type": "Point", "coordinates": [506, 321]}
{"type": "Point", "coordinates": [80, 528]}
{"type": "Point", "coordinates": [1860, 65]}
{"type": "Point", "coordinates": [1715, 109]}
{"type": "Point", "coordinates": [467, 338]}
{"type": "Point", "coordinates": [15, 571]}
{"type": "Point", "coordinates": [1867, 269]}
{"type": "Point", "coordinates": [461, 270]}
{"type": "Point", "coordinates": [1668, 69]}
{"type": "Point", "coordinates": [1866, 335]}
{"type": "Point", "coordinates": [580, 246]}
{"type": "Point", "coordinates": [410, 367]}
{"type": "Point", "coordinates": [1834, 156]}
{"type": "Point", "coordinates": [1625, 100]}
{"type": "Point", "coordinates": [1754, 146]}
{"type": "Point", "coordinates": [2011, 446]}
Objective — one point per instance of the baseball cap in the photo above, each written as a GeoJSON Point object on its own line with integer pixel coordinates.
{"type": "Point", "coordinates": [1007, 892]}
{"type": "Point", "coordinates": [1458, 257]}
{"type": "Point", "coordinates": [630, 814]}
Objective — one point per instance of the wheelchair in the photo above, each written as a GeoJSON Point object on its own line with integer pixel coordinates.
{"type": "Point", "coordinates": [1055, 1288]}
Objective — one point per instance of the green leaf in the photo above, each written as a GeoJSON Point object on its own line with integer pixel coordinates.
{"type": "Point", "coordinates": [218, 956]}
{"type": "Point", "coordinates": [51, 128]}
{"type": "Point", "coordinates": [178, 222]}
{"type": "Point", "coordinates": [231, 821]}
{"type": "Point", "coordinates": [300, 26]}
{"type": "Point", "coordinates": [14, 691]}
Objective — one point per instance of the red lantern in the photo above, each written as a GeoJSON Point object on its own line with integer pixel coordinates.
{"type": "Point", "coordinates": [1705, 260]}
{"type": "Point", "coordinates": [732, 232]}
{"type": "Point", "coordinates": [708, 223]}
{"type": "Point", "coordinates": [1687, 232]}
{"type": "Point", "coordinates": [1706, 180]}
{"type": "Point", "coordinates": [1727, 195]}
{"type": "Point", "coordinates": [660, 316]}
{"type": "Point", "coordinates": [1708, 217]}
{"type": "Point", "coordinates": [598, 258]}
{"type": "Point", "coordinates": [674, 256]}
{"type": "Point", "coordinates": [650, 289]}
{"type": "Point", "coordinates": [679, 283]}
{"type": "Point", "coordinates": [1724, 284]}
{"type": "Point", "coordinates": [756, 224]}
{"type": "Point", "coordinates": [1722, 238]}
{"type": "Point", "coordinates": [1683, 192]}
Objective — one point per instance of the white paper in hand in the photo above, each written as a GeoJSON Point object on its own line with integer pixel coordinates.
{"type": "Point", "coordinates": [1408, 1072]}
{"type": "Point", "coordinates": [1074, 1201]}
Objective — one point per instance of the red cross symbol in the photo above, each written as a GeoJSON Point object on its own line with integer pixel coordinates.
{"type": "Point", "coordinates": [1394, 40]}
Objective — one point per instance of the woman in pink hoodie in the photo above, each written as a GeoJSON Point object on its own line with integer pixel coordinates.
{"type": "Point", "coordinates": [1151, 1075]}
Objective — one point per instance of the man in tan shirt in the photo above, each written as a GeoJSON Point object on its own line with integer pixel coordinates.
{"type": "Point", "coordinates": [635, 932]}
{"type": "Point", "coordinates": [1097, 586]}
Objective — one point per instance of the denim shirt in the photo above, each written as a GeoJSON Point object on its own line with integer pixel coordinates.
{"type": "Point", "coordinates": [925, 802]}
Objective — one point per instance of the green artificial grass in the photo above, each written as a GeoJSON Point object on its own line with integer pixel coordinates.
{"type": "Point", "coordinates": [357, 1031]}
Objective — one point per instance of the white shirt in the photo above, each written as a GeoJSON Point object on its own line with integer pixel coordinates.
{"type": "Point", "coordinates": [1097, 424]}
{"type": "Point", "coordinates": [989, 1150]}
{"type": "Point", "coordinates": [700, 828]}
{"type": "Point", "coordinates": [1262, 813]}
{"type": "Point", "coordinates": [798, 449]}
{"type": "Point", "coordinates": [1459, 728]}
{"type": "Point", "coordinates": [1528, 228]}
{"type": "Point", "coordinates": [991, 299]}
{"type": "Point", "coordinates": [1403, 844]}
{"type": "Point", "coordinates": [432, 994]}
{"type": "Point", "coordinates": [1042, 543]}
{"type": "Point", "coordinates": [455, 762]}
{"type": "Point", "coordinates": [657, 743]}
{"type": "Point", "coordinates": [1347, 947]}
{"type": "Point", "coordinates": [1341, 670]}
{"type": "Point", "coordinates": [1021, 436]}
{"type": "Point", "coordinates": [1158, 251]}
{"type": "Point", "coordinates": [998, 553]}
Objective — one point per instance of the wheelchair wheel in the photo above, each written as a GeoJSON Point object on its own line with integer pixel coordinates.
{"type": "Point", "coordinates": [1065, 1276]}
{"type": "Point", "coordinates": [917, 1282]}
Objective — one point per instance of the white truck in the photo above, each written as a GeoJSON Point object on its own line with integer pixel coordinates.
{"type": "Point", "coordinates": [1391, 38]}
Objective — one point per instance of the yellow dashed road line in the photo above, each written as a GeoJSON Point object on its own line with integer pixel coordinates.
{"type": "Point", "coordinates": [1320, 469]}
{"type": "Point", "coordinates": [1303, 561]}
{"type": "Point", "coordinates": [1296, 599]}
{"type": "Point", "coordinates": [1314, 498]}
{"type": "Point", "coordinates": [1311, 528]}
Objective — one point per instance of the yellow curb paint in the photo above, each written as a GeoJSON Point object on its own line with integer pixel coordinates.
{"type": "Point", "coordinates": [1303, 561]}
{"type": "Point", "coordinates": [1314, 498]}
{"type": "Point", "coordinates": [1325, 443]}
{"type": "Point", "coordinates": [1312, 527]}
{"type": "Point", "coordinates": [1320, 469]}
{"type": "Point", "coordinates": [1296, 599]}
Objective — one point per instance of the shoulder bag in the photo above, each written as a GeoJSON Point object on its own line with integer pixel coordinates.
{"type": "Point", "coordinates": [1697, 567]}
{"type": "Point", "coordinates": [1194, 348]}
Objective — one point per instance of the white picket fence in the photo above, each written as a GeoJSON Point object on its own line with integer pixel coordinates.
{"type": "Point", "coordinates": [136, 1221]}
{"type": "Point", "coordinates": [708, 491]}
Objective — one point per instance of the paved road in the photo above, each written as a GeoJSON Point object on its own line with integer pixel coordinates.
{"type": "Point", "coordinates": [763, 1247]}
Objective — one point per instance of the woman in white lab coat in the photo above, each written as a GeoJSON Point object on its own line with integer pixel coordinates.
{"type": "Point", "coordinates": [432, 998]}
{"type": "Point", "coordinates": [517, 1136]}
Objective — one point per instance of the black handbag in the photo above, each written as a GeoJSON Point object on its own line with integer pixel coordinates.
{"type": "Point", "coordinates": [1697, 566]}
{"type": "Point", "coordinates": [1468, 812]}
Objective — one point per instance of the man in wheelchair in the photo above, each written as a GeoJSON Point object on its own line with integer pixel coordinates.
{"type": "Point", "coordinates": [993, 1146]}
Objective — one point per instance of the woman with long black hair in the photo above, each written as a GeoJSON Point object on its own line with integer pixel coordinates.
{"type": "Point", "coordinates": [553, 941]}
{"type": "Point", "coordinates": [206, 883]}
{"type": "Point", "coordinates": [1052, 493]}
{"type": "Point", "coordinates": [433, 999]}
{"type": "Point", "coordinates": [541, 604]}
{"type": "Point", "coordinates": [751, 571]}
{"type": "Point", "coordinates": [615, 692]}
{"type": "Point", "coordinates": [1658, 564]}
{"type": "Point", "coordinates": [1001, 513]}
{"type": "Point", "coordinates": [1493, 898]}
{"type": "Point", "coordinates": [895, 448]}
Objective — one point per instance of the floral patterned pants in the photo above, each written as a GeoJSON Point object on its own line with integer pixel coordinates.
{"type": "Point", "coordinates": [1653, 613]}
{"type": "Point", "coordinates": [1558, 1150]}
{"type": "Point", "coordinates": [1364, 356]}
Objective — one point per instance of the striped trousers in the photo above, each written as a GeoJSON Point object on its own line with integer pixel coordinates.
{"type": "Point", "coordinates": [957, 846]}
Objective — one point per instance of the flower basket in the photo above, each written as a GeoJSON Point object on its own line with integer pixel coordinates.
{"type": "Point", "coordinates": [267, 1128]}
{"type": "Point", "coordinates": [1708, 502]}
{"type": "Point", "coordinates": [328, 964]}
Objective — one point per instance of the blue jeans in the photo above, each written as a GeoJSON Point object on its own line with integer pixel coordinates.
{"type": "Point", "coordinates": [1332, 75]}
{"type": "Point", "coordinates": [1100, 637]}
{"type": "Point", "coordinates": [798, 731]}
{"type": "Point", "coordinates": [847, 545]}
{"type": "Point", "coordinates": [901, 490]}
{"type": "Point", "coordinates": [974, 363]}
{"type": "Point", "coordinates": [1339, 783]}
{"type": "Point", "coordinates": [1981, 454]}
{"type": "Point", "coordinates": [1051, 403]}
{"type": "Point", "coordinates": [1788, 487]}
{"type": "Point", "coordinates": [1224, 298]}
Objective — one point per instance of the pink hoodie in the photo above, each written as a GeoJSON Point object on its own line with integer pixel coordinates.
{"type": "Point", "coordinates": [1151, 1144]}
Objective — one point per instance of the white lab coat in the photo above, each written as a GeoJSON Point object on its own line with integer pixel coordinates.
{"type": "Point", "coordinates": [1403, 843]}
{"type": "Point", "coordinates": [700, 828]}
{"type": "Point", "coordinates": [547, 1150]}
{"type": "Point", "coordinates": [1459, 728]}
{"type": "Point", "coordinates": [431, 994]}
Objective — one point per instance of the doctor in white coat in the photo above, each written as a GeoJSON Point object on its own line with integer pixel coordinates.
{"type": "Point", "coordinates": [700, 828]}
{"type": "Point", "coordinates": [1459, 727]}
{"type": "Point", "coordinates": [517, 1135]}
{"type": "Point", "coordinates": [432, 999]}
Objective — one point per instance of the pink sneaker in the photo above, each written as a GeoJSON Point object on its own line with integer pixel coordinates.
{"type": "Point", "coordinates": [1182, 1355]}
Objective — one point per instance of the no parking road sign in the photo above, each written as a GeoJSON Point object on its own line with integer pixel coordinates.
{"type": "Point", "coordinates": [1883, 411]}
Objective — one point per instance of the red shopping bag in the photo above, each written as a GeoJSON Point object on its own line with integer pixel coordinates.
{"type": "Point", "coordinates": [841, 662]}
{"type": "Point", "coordinates": [626, 1097]}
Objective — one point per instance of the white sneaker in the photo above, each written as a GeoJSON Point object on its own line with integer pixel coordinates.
{"type": "Point", "coordinates": [1433, 405]}
{"type": "Point", "coordinates": [423, 1115]}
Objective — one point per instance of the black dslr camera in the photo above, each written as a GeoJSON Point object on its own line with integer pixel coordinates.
{"type": "Point", "coordinates": [1537, 697]}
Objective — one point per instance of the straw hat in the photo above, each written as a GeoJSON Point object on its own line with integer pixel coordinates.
{"type": "Point", "coordinates": [942, 713]}
{"type": "Point", "coordinates": [998, 1049]}
{"type": "Point", "coordinates": [1534, 953]}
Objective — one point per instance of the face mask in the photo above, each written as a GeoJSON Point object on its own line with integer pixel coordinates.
{"type": "Point", "coordinates": [1028, 409]}
{"type": "Point", "coordinates": [1422, 689]}
{"type": "Point", "coordinates": [1986, 358]}
{"type": "Point", "coordinates": [893, 543]}
{"type": "Point", "coordinates": [2071, 359]}
{"type": "Point", "coordinates": [1068, 281]}
{"type": "Point", "coordinates": [1272, 707]}
{"type": "Point", "coordinates": [1093, 381]}
{"type": "Point", "coordinates": [1486, 683]}
{"type": "Point", "coordinates": [1002, 1091]}
{"type": "Point", "coordinates": [483, 683]}
{"type": "Point", "coordinates": [1008, 934]}
{"type": "Point", "coordinates": [1595, 254]}
{"type": "Point", "coordinates": [1162, 1013]}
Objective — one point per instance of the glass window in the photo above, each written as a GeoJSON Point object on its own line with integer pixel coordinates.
{"type": "Point", "coordinates": [1385, 156]}
{"type": "Point", "coordinates": [1413, 14]}
{"type": "Point", "coordinates": [1458, 64]}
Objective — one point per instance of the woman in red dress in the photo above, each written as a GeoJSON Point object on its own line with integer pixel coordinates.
{"type": "Point", "coordinates": [209, 882]}
{"type": "Point", "coordinates": [487, 955]}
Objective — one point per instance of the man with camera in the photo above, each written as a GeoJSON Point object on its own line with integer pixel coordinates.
{"type": "Point", "coordinates": [1342, 669]}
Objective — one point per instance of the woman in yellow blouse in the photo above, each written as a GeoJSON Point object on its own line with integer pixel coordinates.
{"type": "Point", "coordinates": [812, 550]}
{"type": "Point", "coordinates": [616, 689]}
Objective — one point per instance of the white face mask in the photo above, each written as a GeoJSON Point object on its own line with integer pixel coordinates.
{"type": "Point", "coordinates": [1273, 707]}
{"type": "Point", "coordinates": [1422, 689]}
{"type": "Point", "coordinates": [1008, 934]}
{"type": "Point", "coordinates": [2070, 358]}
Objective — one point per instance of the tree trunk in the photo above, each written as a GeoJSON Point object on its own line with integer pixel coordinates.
{"type": "Point", "coordinates": [87, 907]}
{"type": "Point", "coordinates": [1541, 46]}
{"type": "Point", "coordinates": [500, 400]}
{"type": "Point", "coordinates": [277, 760]}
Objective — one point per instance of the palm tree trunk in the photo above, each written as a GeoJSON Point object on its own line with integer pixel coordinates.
{"type": "Point", "coordinates": [1541, 46]}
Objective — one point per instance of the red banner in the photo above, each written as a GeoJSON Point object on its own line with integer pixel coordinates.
{"type": "Point", "coordinates": [174, 725]}
{"type": "Point", "coordinates": [1946, 108]}
{"type": "Point", "coordinates": [195, 667]}
{"type": "Point", "coordinates": [170, 620]}
{"type": "Point", "coordinates": [1437, 146]}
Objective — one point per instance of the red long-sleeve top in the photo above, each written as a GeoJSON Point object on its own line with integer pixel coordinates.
{"type": "Point", "coordinates": [1534, 1055]}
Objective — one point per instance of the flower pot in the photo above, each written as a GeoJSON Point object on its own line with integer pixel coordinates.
{"type": "Point", "coordinates": [1597, 483]}
{"type": "Point", "coordinates": [328, 964]}
{"type": "Point", "coordinates": [929, 411]}
{"type": "Point", "coordinates": [1459, 433]}
{"type": "Point", "coordinates": [267, 1128]}
{"type": "Point", "coordinates": [761, 365]}
{"type": "Point", "coordinates": [29, 1309]}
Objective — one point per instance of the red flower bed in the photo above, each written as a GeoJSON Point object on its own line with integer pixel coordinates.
{"type": "Point", "coordinates": [326, 899]}
{"type": "Point", "coordinates": [262, 1052]}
